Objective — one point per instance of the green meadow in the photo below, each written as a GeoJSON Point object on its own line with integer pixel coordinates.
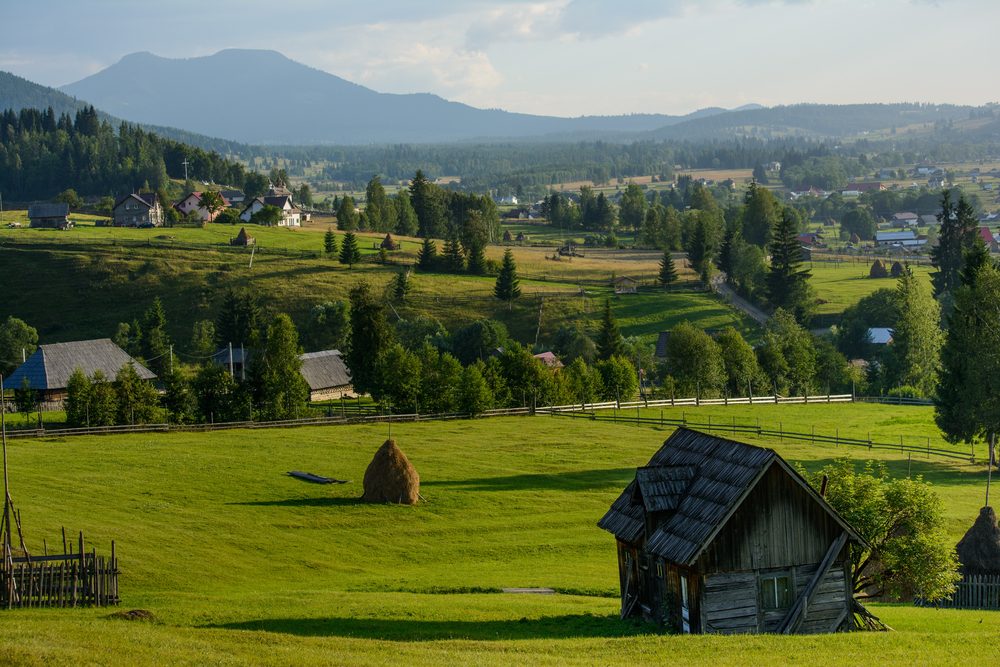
{"type": "Point", "coordinates": [241, 564]}
{"type": "Point", "coordinates": [839, 285]}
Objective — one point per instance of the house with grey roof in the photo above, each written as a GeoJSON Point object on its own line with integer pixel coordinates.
{"type": "Point", "coordinates": [326, 374]}
{"type": "Point", "coordinates": [50, 215]}
{"type": "Point", "coordinates": [717, 536]}
{"type": "Point", "coordinates": [48, 370]}
{"type": "Point", "coordinates": [137, 210]}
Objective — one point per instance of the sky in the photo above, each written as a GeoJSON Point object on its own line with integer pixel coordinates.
{"type": "Point", "coordinates": [552, 57]}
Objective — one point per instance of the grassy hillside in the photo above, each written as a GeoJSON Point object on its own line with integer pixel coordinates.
{"type": "Point", "coordinates": [242, 564]}
{"type": "Point", "coordinates": [94, 277]}
{"type": "Point", "coordinates": [841, 285]}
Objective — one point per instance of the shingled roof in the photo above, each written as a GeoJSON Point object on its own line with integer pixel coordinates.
{"type": "Point", "coordinates": [324, 370]}
{"type": "Point", "coordinates": [48, 210]}
{"type": "Point", "coordinates": [51, 365]}
{"type": "Point", "coordinates": [696, 481]}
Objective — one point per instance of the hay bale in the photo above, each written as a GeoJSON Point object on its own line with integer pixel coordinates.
{"type": "Point", "coordinates": [979, 548]}
{"type": "Point", "coordinates": [390, 477]}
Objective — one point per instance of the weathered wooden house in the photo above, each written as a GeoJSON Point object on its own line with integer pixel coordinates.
{"type": "Point", "coordinates": [626, 285]}
{"type": "Point", "coordinates": [716, 536]}
{"type": "Point", "coordinates": [49, 368]}
{"type": "Point", "coordinates": [137, 210]}
{"type": "Point", "coordinates": [53, 215]}
{"type": "Point", "coordinates": [326, 374]}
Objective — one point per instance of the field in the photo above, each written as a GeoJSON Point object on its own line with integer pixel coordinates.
{"type": "Point", "coordinates": [243, 565]}
{"type": "Point", "coordinates": [839, 285]}
{"type": "Point", "coordinates": [98, 276]}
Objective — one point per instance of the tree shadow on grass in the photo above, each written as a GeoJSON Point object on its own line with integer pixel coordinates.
{"type": "Point", "coordinates": [571, 480]}
{"type": "Point", "coordinates": [566, 626]}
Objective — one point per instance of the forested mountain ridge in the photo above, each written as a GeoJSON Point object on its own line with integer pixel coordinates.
{"type": "Point", "coordinates": [19, 93]}
{"type": "Point", "coordinates": [42, 153]}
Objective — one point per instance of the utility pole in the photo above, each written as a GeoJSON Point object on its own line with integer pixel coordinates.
{"type": "Point", "coordinates": [230, 359]}
{"type": "Point", "coordinates": [171, 359]}
{"type": "Point", "coordinates": [243, 363]}
{"type": "Point", "coordinates": [185, 163]}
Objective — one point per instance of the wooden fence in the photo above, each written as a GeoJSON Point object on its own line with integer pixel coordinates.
{"type": "Point", "coordinates": [61, 580]}
{"type": "Point", "coordinates": [975, 591]}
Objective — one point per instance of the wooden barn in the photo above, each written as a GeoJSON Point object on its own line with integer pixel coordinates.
{"type": "Point", "coordinates": [716, 536]}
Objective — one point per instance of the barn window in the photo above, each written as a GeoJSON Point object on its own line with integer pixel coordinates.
{"type": "Point", "coordinates": [776, 592]}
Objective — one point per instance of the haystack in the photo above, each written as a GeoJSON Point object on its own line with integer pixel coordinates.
{"type": "Point", "coordinates": [390, 477]}
{"type": "Point", "coordinates": [979, 549]}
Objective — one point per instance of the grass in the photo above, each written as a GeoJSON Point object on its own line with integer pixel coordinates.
{"type": "Point", "coordinates": [244, 565]}
{"type": "Point", "coordinates": [91, 283]}
{"type": "Point", "coordinates": [841, 285]}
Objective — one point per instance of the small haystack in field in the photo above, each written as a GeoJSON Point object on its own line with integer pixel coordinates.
{"type": "Point", "coordinates": [390, 477]}
{"type": "Point", "coordinates": [979, 549]}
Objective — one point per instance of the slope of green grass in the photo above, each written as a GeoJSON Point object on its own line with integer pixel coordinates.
{"type": "Point", "coordinates": [244, 565]}
{"type": "Point", "coordinates": [841, 285]}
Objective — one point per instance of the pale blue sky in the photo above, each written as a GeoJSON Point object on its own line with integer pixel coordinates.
{"type": "Point", "coordinates": [559, 57]}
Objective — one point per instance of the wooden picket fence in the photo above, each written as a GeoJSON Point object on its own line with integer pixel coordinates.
{"type": "Point", "coordinates": [975, 591]}
{"type": "Point", "coordinates": [60, 580]}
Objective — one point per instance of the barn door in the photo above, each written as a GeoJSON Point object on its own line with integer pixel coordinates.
{"type": "Point", "coordinates": [685, 606]}
{"type": "Point", "coordinates": [630, 585]}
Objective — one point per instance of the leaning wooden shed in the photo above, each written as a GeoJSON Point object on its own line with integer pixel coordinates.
{"type": "Point", "coordinates": [719, 536]}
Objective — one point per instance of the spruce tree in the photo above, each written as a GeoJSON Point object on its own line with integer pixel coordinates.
{"type": "Point", "coordinates": [280, 390]}
{"type": "Point", "coordinates": [349, 252]}
{"type": "Point", "coordinates": [371, 337]}
{"type": "Point", "coordinates": [454, 258]}
{"type": "Point", "coordinates": [347, 215]}
{"type": "Point", "coordinates": [507, 287]}
{"type": "Point", "coordinates": [668, 272]}
{"type": "Point", "coordinates": [427, 256]}
{"type": "Point", "coordinates": [956, 237]}
{"type": "Point", "coordinates": [787, 281]}
{"type": "Point", "coordinates": [330, 242]}
{"type": "Point", "coordinates": [609, 338]}
{"type": "Point", "coordinates": [916, 337]}
{"type": "Point", "coordinates": [401, 286]}
{"type": "Point", "coordinates": [406, 217]}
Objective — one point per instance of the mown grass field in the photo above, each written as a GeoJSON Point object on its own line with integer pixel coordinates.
{"type": "Point", "coordinates": [839, 286]}
{"type": "Point", "coordinates": [244, 565]}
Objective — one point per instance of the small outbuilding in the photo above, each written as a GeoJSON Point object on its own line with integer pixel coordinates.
{"type": "Point", "coordinates": [326, 374]}
{"type": "Point", "coordinates": [53, 215]}
{"type": "Point", "coordinates": [717, 536]}
{"type": "Point", "coordinates": [626, 285]}
{"type": "Point", "coordinates": [49, 368]}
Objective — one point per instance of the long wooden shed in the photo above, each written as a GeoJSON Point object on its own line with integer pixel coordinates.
{"type": "Point", "coordinates": [718, 536]}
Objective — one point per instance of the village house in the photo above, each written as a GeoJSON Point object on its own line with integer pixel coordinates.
{"type": "Point", "coordinates": [716, 536]}
{"type": "Point", "coordinates": [192, 205]}
{"type": "Point", "coordinates": [326, 374]}
{"type": "Point", "coordinates": [53, 215]}
{"type": "Point", "coordinates": [905, 239]}
{"type": "Point", "coordinates": [291, 215]}
{"type": "Point", "coordinates": [49, 368]}
{"type": "Point", "coordinates": [904, 219]}
{"type": "Point", "coordinates": [879, 335]}
{"type": "Point", "coordinates": [549, 360]}
{"type": "Point", "coordinates": [137, 210]}
{"type": "Point", "coordinates": [234, 197]}
{"type": "Point", "coordinates": [936, 182]}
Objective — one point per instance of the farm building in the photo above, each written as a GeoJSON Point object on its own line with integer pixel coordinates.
{"type": "Point", "coordinates": [326, 374]}
{"type": "Point", "coordinates": [625, 285]}
{"type": "Point", "coordinates": [549, 360]}
{"type": "Point", "coordinates": [716, 536]}
{"type": "Point", "coordinates": [49, 216]}
{"type": "Point", "coordinates": [234, 357]}
{"type": "Point", "coordinates": [49, 368]}
{"type": "Point", "coordinates": [137, 210]}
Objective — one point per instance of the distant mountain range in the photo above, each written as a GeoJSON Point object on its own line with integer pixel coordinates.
{"type": "Point", "coordinates": [237, 97]}
{"type": "Point", "coordinates": [262, 97]}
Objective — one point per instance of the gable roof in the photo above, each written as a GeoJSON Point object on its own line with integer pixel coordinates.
{"type": "Point", "coordinates": [48, 210]}
{"type": "Point", "coordinates": [323, 370]}
{"type": "Point", "coordinates": [51, 365]}
{"type": "Point", "coordinates": [147, 199]}
{"type": "Point", "coordinates": [699, 481]}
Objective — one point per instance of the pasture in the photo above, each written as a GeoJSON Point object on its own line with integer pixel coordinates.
{"type": "Point", "coordinates": [840, 285]}
{"type": "Point", "coordinates": [243, 565]}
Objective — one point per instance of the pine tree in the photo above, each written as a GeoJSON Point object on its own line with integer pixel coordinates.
{"type": "Point", "coordinates": [281, 391]}
{"type": "Point", "coordinates": [761, 214]}
{"type": "Point", "coordinates": [427, 257]}
{"type": "Point", "coordinates": [347, 215]}
{"type": "Point", "coordinates": [401, 285]}
{"type": "Point", "coordinates": [330, 242]}
{"type": "Point", "coordinates": [668, 272]}
{"type": "Point", "coordinates": [609, 338]}
{"type": "Point", "coordinates": [787, 281]}
{"type": "Point", "coordinates": [155, 342]}
{"type": "Point", "coordinates": [916, 337]}
{"type": "Point", "coordinates": [956, 237]}
{"type": "Point", "coordinates": [371, 337]}
{"type": "Point", "coordinates": [507, 287]}
{"type": "Point", "coordinates": [238, 322]}
{"type": "Point", "coordinates": [349, 252]}
{"type": "Point", "coordinates": [406, 217]}
{"type": "Point", "coordinates": [377, 208]}
{"type": "Point", "coordinates": [454, 258]}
